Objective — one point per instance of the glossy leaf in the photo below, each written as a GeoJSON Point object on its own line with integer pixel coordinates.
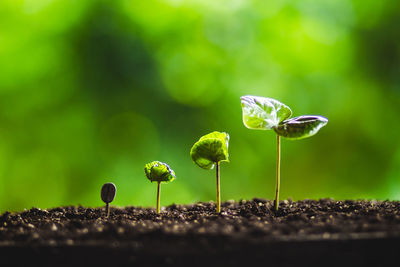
{"type": "Point", "coordinates": [157, 171]}
{"type": "Point", "coordinates": [210, 149]}
{"type": "Point", "coordinates": [263, 113]}
{"type": "Point", "coordinates": [301, 127]}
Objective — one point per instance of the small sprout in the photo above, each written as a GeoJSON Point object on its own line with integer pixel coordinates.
{"type": "Point", "coordinates": [264, 113]}
{"type": "Point", "coordinates": [208, 152]}
{"type": "Point", "coordinates": [108, 191]}
{"type": "Point", "coordinates": [157, 171]}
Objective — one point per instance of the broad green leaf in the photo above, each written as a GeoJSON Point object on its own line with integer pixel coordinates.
{"type": "Point", "coordinates": [263, 113]}
{"type": "Point", "coordinates": [217, 135]}
{"type": "Point", "coordinates": [157, 171]}
{"type": "Point", "coordinates": [301, 127]}
{"type": "Point", "coordinates": [210, 149]}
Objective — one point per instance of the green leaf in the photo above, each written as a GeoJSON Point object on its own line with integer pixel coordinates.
{"type": "Point", "coordinates": [263, 113]}
{"type": "Point", "coordinates": [210, 149]}
{"type": "Point", "coordinates": [157, 171]}
{"type": "Point", "coordinates": [301, 127]}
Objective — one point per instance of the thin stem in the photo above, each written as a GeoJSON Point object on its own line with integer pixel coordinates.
{"type": "Point", "coordinates": [218, 190]}
{"type": "Point", "coordinates": [158, 196]}
{"type": "Point", "coordinates": [278, 171]}
{"type": "Point", "coordinates": [108, 209]}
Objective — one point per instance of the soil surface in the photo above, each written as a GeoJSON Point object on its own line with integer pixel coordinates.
{"type": "Point", "coordinates": [324, 232]}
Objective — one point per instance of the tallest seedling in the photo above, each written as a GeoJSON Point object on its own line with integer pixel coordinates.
{"type": "Point", "coordinates": [264, 113]}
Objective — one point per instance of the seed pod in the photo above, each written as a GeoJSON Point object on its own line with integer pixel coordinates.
{"type": "Point", "coordinates": [108, 192]}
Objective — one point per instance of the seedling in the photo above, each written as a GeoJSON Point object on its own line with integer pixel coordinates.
{"type": "Point", "coordinates": [108, 191]}
{"type": "Point", "coordinates": [263, 113]}
{"type": "Point", "coordinates": [159, 172]}
{"type": "Point", "coordinates": [210, 151]}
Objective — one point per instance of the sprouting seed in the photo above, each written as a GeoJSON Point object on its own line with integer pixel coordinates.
{"type": "Point", "coordinates": [108, 191]}
{"type": "Point", "coordinates": [157, 171]}
{"type": "Point", "coordinates": [210, 151]}
{"type": "Point", "coordinates": [264, 113]}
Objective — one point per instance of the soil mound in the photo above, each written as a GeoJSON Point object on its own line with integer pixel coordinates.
{"type": "Point", "coordinates": [309, 232]}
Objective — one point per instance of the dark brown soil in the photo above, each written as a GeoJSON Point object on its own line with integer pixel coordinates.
{"type": "Point", "coordinates": [302, 233]}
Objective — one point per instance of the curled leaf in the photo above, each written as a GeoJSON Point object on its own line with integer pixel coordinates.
{"type": "Point", "coordinates": [157, 171]}
{"type": "Point", "coordinates": [263, 113]}
{"type": "Point", "coordinates": [210, 149]}
{"type": "Point", "coordinates": [301, 127]}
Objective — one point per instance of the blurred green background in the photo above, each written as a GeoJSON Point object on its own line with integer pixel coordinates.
{"type": "Point", "coordinates": [90, 91]}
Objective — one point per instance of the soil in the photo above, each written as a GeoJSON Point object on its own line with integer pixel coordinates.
{"type": "Point", "coordinates": [303, 233]}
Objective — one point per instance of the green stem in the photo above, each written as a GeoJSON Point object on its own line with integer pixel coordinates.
{"type": "Point", "coordinates": [158, 196]}
{"type": "Point", "coordinates": [278, 171]}
{"type": "Point", "coordinates": [218, 190]}
{"type": "Point", "coordinates": [108, 209]}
